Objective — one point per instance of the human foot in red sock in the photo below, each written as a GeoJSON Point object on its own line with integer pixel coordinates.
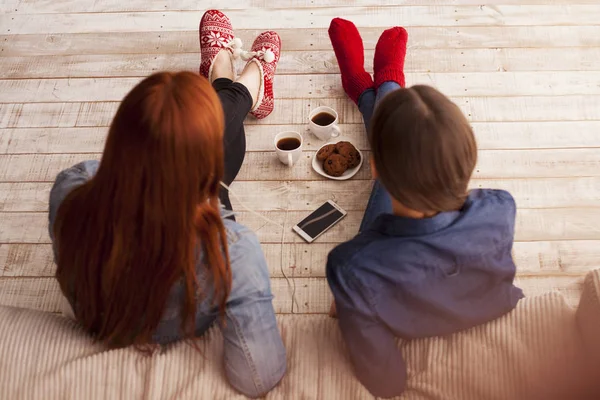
{"type": "Point", "coordinates": [350, 54]}
{"type": "Point", "coordinates": [390, 53]}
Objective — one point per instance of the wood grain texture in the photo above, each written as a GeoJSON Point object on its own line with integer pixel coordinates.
{"type": "Point", "coordinates": [492, 164]}
{"type": "Point", "coordinates": [524, 72]}
{"type": "Point", "coordinates": [545, 224]}
{"type": "Point", "coordinates": [490, 136]}
{"type": "Point", "coordinates": [257, 166]}
{"type": "Point", "coordinates": [351, 195]}
{"type": "Point", "coordinates": [318, 86]}
{"type": "Point", "coordinates": [32, 227]}
{"type": "Point", "coordinates": [296, 111]}
{"type": "Point", "coordinates": [311, 295]}
{"type": "Point", "coordinates": [427, 37]}
{"type": "Point", "coordinates": [306, 62]}
{"type": "Point", "coordinates": [297, 259]}
{"type": "Point", "coordinates": [66, 6]}
{"type": "Point", "coordinates": [252, 18]}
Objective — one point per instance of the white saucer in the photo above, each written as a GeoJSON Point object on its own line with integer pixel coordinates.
{"type": "Point", "coordinates": [349, 173]}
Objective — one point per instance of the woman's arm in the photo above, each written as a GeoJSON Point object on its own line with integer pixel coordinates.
{"type": "Point", "coordinates": [255, 357]}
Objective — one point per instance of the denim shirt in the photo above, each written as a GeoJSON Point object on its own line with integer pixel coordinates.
{"type": "Point", "coordinates": [255, 358]}
{"type": "Point", "coordinates": [414, 278]}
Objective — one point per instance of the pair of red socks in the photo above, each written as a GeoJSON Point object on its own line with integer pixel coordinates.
{"type": "Point", "coordinates": [349, 51]}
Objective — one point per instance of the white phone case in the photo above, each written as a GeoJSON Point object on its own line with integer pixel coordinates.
{"type": "Point", "coordinates": [311, 239]}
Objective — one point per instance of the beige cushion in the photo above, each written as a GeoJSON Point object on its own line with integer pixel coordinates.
{"type": "Point", "coordinates": [520, 356]}
{"type": "Point", "coordinates": [588, 320]}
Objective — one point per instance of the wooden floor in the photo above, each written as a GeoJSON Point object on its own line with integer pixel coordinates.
{"type": "Point", "coordinates": [526, 73]}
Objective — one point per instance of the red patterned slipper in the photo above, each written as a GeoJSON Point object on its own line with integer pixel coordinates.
{"type": "Point", "coordinates": [216, 34]}
{"type": "Point", "coordinates": [265, 53]}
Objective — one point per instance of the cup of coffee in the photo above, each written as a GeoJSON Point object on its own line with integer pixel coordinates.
{"type": "Point", "coordinates": [288, 146]}
{"type": "Point", "coordinates": [323, 122]}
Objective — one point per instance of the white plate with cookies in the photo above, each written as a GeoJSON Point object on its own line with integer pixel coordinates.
{"type": "Point", "coordinates": [325, 153]}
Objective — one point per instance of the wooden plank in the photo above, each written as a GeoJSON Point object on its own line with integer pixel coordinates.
{"type": "Point", "coordinates": [34, 293]}
{"type": "Point", "coordinates": [254, 18]}
{"type": "Point", "coordinates": [557, 224]}
{"type": "Point", "coordinates": [25, 260]}
{"type": "Point", "coordinates": [257, 166]}
{"type": "Point", "coordinates": [306, 62]}
{"type": "Point", "coordinates": [490, 136]}
{"type": "Point", "coordinates": [428, 37]}
{"type": "Point", "coordinates": [53, 140]}
{"type": "Point", "coordinates": [547, 192]}
{"type": "Point", "coordinates": [9, 6]}
{"type": "Point", "coordinates": [51, 114]}
{"type": "Point", "coordinates": [308, 260]}
{"type": "Point", "coordinates": [532, 225]}
{"type": "Point", "coordinates": [537, 134]}
{"type": "Point", "coordinates": [565, 256]}
{"type": "Point", "coordinates": [24, 196]}
{"type": "Point", "coordinates": [352, 195]}
{"type": "Point", "coordinates": [296, 111]}
{"type": "Point", "coordinates": [66, 6]}
{"type": "Point", "coordinates": [477, 15]}
{"type": "Point", "coordinates": [32, 227]}
{"type": "Point", "coordinates": [309, 295]}
{"type": "Point", "coordinates": [529, 108]}
{"type": "Point", "coordinates": [318, 86]}
{"type": "Point", "coordinates": [493, 164]}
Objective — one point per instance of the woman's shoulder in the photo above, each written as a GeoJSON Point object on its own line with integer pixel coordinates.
{"type": "Point", "coordinates": [66, 181]}
{"type": "Point", "coordinates": [70, 178]}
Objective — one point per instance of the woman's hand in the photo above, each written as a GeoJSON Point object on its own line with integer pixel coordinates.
{"type": "Point", "coordinates": [333, 310]}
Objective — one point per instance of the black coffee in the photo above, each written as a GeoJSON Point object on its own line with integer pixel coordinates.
{"type": "Point", "coordinates": [323, 119]}
{"type": "Point", "coordinates": [290, 143]}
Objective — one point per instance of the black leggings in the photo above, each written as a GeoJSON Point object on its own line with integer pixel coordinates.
{"type": "Point", "coordinates": [237, 102]}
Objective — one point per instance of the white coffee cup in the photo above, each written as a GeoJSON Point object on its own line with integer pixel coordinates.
{"type": "Point", "coordinates": [288, 154]}
{"type": "Point", "coordinates": [324, 132]}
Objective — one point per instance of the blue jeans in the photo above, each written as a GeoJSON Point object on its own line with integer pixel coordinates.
{"type": "Point", "coordinates": [380, 201]}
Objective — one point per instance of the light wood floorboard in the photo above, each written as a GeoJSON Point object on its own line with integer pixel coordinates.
{"type": "Point", "coordinates": [524, 72]}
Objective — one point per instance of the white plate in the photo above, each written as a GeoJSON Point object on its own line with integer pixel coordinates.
{"type": "Point", "coordinates": [349, 173]}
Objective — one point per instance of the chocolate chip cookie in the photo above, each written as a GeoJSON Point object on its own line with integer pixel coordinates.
{"type": "Point", "coordinates": [325, 152]}
{"type": "Point", "coordinates": [335, 165]}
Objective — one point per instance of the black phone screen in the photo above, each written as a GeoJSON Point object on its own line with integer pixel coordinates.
{"type": "Point", "coordinates": [321, 219]}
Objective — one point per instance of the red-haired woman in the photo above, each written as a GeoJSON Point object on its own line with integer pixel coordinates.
{"type": "Point", "coordinates": [145, 252]}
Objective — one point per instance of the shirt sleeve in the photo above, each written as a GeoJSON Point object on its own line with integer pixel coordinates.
{"type": "Point", "coordinates": [65, 182]}
{"type": "Point", "coordinates": [255, 357]}
{"type": "Point", "coordinates": [377, 361]}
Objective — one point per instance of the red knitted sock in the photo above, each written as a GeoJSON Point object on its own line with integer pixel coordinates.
{"type": "Point", "coordinates": [350, 54]}
{"type": "Point", "coordinates": [390, 53]}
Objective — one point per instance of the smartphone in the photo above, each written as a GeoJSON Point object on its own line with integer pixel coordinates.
{"type": "Point", "coordinates": [319, 221]}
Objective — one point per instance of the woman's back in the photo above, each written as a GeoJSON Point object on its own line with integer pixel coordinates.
{"type": "Point", "coordinates": [144, 252]}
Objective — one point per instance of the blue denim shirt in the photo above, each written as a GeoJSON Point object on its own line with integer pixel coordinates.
{"type": "Point", "coordinates": [255, 358]}
{"type": "Point", "coordinates": [414, 278]}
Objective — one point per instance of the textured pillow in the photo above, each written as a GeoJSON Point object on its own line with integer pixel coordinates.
{"type": "Point", "coordinates": [532, 353]}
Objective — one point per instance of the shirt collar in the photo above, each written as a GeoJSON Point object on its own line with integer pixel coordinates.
{"type": "Point", "coordinates": [393, 225]}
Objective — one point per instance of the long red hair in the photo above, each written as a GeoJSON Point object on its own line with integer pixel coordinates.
{"type": "Point", "coordinates": [128, 235]}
